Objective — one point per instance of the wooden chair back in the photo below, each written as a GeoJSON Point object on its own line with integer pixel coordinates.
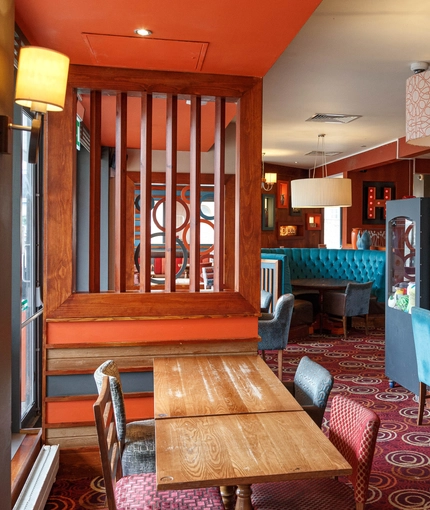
{"type": "Point", "coordinates": [110, 449]}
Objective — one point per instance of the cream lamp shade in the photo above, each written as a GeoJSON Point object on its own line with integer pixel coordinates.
{"type": "Point", "coordinates": [270, 178]}
{"type": "Point", "coordinates": [42, 79]}
{"type": "Point", "coordinates": [418, 109]}
{"type": "Point", "coordinates": [321, 192]}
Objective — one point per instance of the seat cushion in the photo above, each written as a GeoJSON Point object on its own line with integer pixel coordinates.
{"type": "Point", "coordinates": [139, 492]}
{"type": "Point", "coordinates": [315, 494]}
{"type": "Point", "coordinates": [139, 449]}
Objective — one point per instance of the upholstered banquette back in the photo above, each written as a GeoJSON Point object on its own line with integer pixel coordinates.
{"type": "Point", "coordinates": [357, 265]}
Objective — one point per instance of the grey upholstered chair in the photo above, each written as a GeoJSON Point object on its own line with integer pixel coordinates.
{"type": "Point", "coordinates": [274, 328]}
{"type": "Point", "coordinates": [137, 438]}
{"type": "Point", "coordinates": [351, 303]}
{"type": "Point", "coordinates": [265, 301]}
{"type": "Point", "coordinates": [311, 388]}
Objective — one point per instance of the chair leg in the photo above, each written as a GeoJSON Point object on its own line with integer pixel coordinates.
{"type": "Point", "coordinates": [422, 401]}
{"type": "Point", "coordinates": [345, 323]}
{"type": "Point", "coordinates": [263, 355]}
{"type": "Point", "coordinates": [359, 506]}
{"type": "Point", "coordinates": [280, 359]}
{"type": "Point", "coordinates": [366, 324]}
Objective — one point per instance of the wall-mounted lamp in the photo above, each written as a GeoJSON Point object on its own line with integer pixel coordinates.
{"type": "Point", "coordinates": [41, 86]}
{"type": "Point", "coordinates": [312, 221]}
{"type": "Point", "coordinates": [268, 179]}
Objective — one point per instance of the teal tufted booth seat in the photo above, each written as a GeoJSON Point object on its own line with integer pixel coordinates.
{"type": "Point", "coordinates": [357, 265]}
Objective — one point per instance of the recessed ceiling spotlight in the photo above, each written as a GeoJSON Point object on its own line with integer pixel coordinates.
{"type": "Point", "coordinates": [143, 32]}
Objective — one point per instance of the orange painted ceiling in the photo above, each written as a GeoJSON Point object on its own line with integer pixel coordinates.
{"type": "Point", "coordinates": [241, 37]}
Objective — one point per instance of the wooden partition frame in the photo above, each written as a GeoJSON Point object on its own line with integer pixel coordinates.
{"type": "Point", "coordinates": [61, 302]}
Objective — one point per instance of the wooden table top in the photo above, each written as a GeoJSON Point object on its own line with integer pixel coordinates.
{"type": "Point", "coordinates": [321, 283]}
{"type": "Point", "coordinates": [242, 449]}
{"type": "Point", "coordinates": [217, 385]}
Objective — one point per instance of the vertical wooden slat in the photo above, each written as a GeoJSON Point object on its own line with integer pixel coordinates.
{"type": "Point", "coordinates": [120, 192]}
{"type": "Point", "coordinates": [229, 231]}
{"type": "Point", "coordinates": [248, 171]}
{"type": "Point", "coordinates": [170, 203]}
{"type": "Point", "coordinates": [145, 192]}
{"type": "Point", "coordinates": [195, 182]}
{"type": "Point", "coordinates": [219, 193]}
{"type": "Point", "coordinates": [95, 191]}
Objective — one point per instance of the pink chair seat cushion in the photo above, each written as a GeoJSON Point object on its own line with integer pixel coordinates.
{"type": "Point", "coordinates": [138, 492]}
{"type": "Point", "coordinates": [318, 494]}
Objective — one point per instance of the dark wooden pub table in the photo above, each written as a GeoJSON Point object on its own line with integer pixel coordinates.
{"type": "Point", "coordinates": [322, 285]}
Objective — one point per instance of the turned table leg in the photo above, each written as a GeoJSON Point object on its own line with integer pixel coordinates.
{"type": "Point", "coordinates": [227, 494]}
{"type": "Point", "coordinates": [243, 501]}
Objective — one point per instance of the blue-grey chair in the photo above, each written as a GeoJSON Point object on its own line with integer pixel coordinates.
{"type": "Point", "coordinates": [137, 438]}
{"type": "Point", "coordinates": [421, 332]}
{"type": "Point", "coordinates": [274, 328]}
{"type": "Point", "coordinates": [311, 388]}
{"type": "Point", "coordinates": [265, 301]}
{"type": "Point", "coordinates": [353, 302]}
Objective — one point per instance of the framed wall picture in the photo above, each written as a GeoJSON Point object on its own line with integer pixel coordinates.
{"type": "Point", "coordinates": [268, 212]}
{"type": "Point", "coordinates": [282, 195]}
{"type": "Point", "coordinates": [313, 221]}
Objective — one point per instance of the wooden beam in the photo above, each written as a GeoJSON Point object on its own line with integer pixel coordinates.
{"type": "Point", "coordinates": [95, 190]}
{"type": "Point", "coordinates": [145, 193]}
{"type": "Point", "coordinates": [219, 193]}
{"type": "Point", "coordinates": [170, 203]}
{"type": "Point", "coordinates": [195, 183]}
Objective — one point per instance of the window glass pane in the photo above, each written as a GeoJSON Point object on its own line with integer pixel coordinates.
{"type": "Point", "coordinates": [28, 283]}
{"type": "Point", "coordinates": [332, 233]}
{"type": "Point", "coordinates": [29, 275]}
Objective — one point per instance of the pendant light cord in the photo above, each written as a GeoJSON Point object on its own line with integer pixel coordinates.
{"type": "Point", "coordinates": [320, 151]}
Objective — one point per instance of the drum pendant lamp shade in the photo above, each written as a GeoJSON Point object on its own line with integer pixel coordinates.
{"type": "Point", "coordinates": [321, 192]}
{"type": "Point", "coordinates": [317, 192]}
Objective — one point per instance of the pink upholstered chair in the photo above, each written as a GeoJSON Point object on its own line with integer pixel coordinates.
{"type": "Point", "coordinates": [137, 491]}
{"type": "Point", "coordinates": [353, 430]}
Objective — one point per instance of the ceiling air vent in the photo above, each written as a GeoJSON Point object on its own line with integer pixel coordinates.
{"type": "Point", "coordinates": [333, 118]}
{"type": "Point", "coordinates": [321, 153]}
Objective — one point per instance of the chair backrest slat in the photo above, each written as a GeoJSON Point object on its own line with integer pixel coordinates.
{"type": "Point", "coordinates": [109, 445]}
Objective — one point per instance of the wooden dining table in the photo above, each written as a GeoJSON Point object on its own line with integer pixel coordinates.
{"type": "Point", "coordinates": [211, 385]}
{"type": "Point", "coordinates": [322, 285]}
{"type": "Point", "coordinates": [234, 428]}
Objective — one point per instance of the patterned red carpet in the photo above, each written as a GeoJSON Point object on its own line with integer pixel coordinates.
{"type": "Point", "coordinates": [401, 468]}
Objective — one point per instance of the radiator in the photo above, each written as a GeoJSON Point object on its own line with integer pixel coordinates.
{"type": "Point", "coordinates": [38, 485]}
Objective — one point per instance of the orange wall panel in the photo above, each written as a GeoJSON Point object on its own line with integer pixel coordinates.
{"type": "Point", "coordinates": [81, 411]}
{"type": "Point", "coordinates": [152, 330]}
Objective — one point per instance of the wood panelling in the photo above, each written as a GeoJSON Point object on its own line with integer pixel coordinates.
{"type": "Point", "coordinates": [399, 173]}
{"type": "Point", "coordinates": [155, 306]}
{"type": "Point", "coordinates": [74, 358]}
{"type": "Point", "coordinates": [72, 437]}
{"type": "Point", "coordinates": [95, 77]}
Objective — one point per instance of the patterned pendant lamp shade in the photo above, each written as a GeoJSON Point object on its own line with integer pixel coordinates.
{"type": "Point", "coordinates": [418, 109]}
